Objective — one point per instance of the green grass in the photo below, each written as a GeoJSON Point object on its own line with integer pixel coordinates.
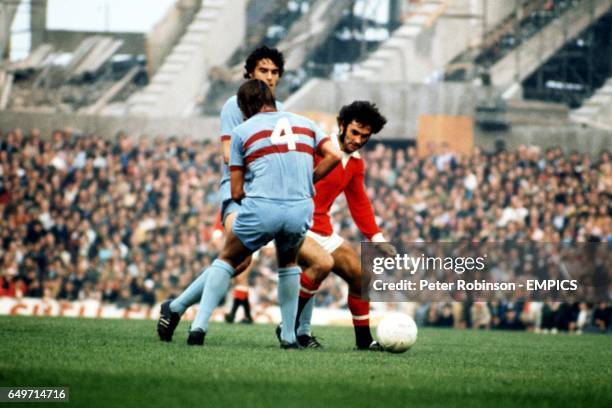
{"type": "Point", "coordinates": [122, 363]}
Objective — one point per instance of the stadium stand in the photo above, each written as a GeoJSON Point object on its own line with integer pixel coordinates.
{"type": "Point", "coordinates": [402, 54]}
{"type": "Point", "coordinates": [91, 76]}
{"type": "Point", "coordinates": [542, 33]}
{"type": "Point", "coordinates": [594, 111]}
{"type": "Point", "coordinates": [497, 149]}
{"type": "Point", "coordinates": [131, 220]}
{"type": "Point", "coordinates": [181, 77]}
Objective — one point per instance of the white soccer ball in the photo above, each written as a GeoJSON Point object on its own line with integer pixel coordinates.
{"type": "Point", "coordinates": [397, 332]}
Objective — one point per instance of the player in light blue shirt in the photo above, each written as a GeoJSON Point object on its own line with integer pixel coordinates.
{"type": "Point", "coordinates": [260, 145]}
{"type": "Point", "coordinates": [275, 152]}
{"type": "Point", "coordinates": [231, 117]}
{"type": "Point", "coordinates": [266, 64]}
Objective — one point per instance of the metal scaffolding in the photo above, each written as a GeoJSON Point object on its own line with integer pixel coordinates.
{"type": "Point", "coordinates": [574, 72]}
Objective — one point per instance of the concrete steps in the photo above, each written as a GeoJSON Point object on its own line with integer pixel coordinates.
{"type": "Point", "coordinates": [401, 47]}
{"type": "Point", "coordinates": [538, 48]}
{"type": "Point", "coordinates": [184, 73]}
{"type": "Point", "coordinates": [595, 106]}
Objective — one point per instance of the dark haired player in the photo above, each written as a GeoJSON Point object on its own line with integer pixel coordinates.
{"type": "Point", "coordinates": [323, 249]}
{"type": "Point", "coordinates": [274, 153]}
{"type": "Point", "coordinates": [267, 65]}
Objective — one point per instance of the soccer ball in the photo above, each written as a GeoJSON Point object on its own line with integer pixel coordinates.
{"type": "Point", "coordinates": [397, 332]}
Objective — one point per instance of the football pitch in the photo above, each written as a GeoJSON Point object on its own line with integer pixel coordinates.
{"type": "Point", "coordinates": [122, 363]}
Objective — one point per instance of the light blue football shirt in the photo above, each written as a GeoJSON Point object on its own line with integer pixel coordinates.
{"type": "Point", "coordinates": [231, 116]}
{"type": "Point", "coordinates": [276, 150]}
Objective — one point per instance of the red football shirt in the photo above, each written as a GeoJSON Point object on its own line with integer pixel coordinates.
{"type": "Point", "coordinates": [348, 177]}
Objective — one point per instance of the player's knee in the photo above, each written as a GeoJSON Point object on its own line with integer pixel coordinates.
{"type": "Point", "coordinates": [322, 267]}
{"type": "Point", "coordinates": [325, 265]}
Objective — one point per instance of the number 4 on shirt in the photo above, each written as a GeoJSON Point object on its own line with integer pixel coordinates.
{"type": "Point", "coordinates": [283, 134]}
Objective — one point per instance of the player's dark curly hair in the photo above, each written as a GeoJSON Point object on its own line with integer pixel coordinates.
{"type": "Point", "coordinates": [364, 113]}
{"type": "Point", "coordinates": [253, 95]}
{"type": "Point", "coordinates": [264, 52]}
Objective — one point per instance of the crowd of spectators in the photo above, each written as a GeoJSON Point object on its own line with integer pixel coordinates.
{"type": "Point", "coordinates": [123, 221]}
{"type": "Point", "coordinates": [538, 316]}
{"type": "Point", "coordinates": [133, 219]}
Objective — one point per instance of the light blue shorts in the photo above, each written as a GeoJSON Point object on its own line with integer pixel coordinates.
{"type": "Point", "coordinates": [228, 207]}
{"type": "Point", "coordinates": [260, 220]}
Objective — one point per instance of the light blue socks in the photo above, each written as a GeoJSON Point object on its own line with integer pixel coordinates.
{"type": "Point", "coordinates": [191, 295]}
{"type": "Point", "coordinates": [288, 292]}
{"type": "Point", "coordinates": [217, 284]}
{"type": "Point", "coordinates": [305, 318]}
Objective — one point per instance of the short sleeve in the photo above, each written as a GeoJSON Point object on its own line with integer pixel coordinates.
{"type": "Point", "coordinates": [320, 136]}
{"type": "Point", "coordinates": [230, 118]}
{"type": "Point", "coordinates": [236, 152]}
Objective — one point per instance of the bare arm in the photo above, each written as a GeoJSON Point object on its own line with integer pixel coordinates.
{"type": "Point", "coordinates": [237, 183]}
{"type": "Point", "coordinates": [331, 158]}
{"type": "Point", "coordinates": [363, 214]}
{"type": "Point", "coordinates": [225, 149]}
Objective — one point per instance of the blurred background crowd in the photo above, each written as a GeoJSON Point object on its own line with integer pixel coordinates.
{"type": "Point", "coordinates": [133, 220]}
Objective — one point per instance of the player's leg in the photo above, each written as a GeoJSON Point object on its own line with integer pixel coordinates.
{"type": "Point", "coordinates": [220, 273]}
{"type": "Point", "coordinates": [248, 233]}
{"type": "Point", "coordinates": [316, 265]}
{"type": "Point", "coordinates": [172, 310]}
{"type": "Point", "coordinates": [189, 296]}
{"type": "Point", "coordinates": [228, 224]}
{"type": "Point", "coordinates": [296, 222]}
{"type": "Point", "coordinates": [241, 288]}
{"type": "Point", "coordinates": [316, 254]}
{"type": "Point", "coordinates": [288, 289]}
{"type": "Point", "coordinates": [347, 265]}
{"type": "Point", "coordinates": [241, 297]}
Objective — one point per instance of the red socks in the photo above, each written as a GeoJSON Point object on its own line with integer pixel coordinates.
{"type": "Point", "coordinates": [307, 287]}
{"type": "Point", "coordinates": [360, 309]}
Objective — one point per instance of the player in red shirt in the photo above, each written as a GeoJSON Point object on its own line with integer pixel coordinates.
{"type": "Point", "coordinates": [323, 249]}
